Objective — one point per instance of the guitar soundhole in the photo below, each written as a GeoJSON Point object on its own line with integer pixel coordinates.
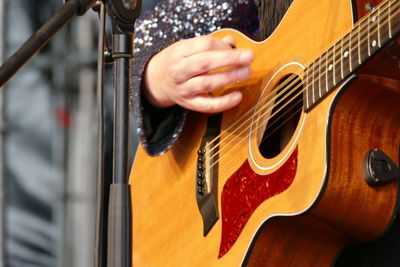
{"type": "Point", "coordinates": [284, 117]}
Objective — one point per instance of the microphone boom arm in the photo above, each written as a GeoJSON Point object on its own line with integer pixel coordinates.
{"type": "Point", "coordinates": [41, 37]}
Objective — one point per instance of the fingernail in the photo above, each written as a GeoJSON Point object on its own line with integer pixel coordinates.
{"type": "Point", "coordinates": [246, 56]}
{"type": "Point", "coordinates": [236, 98]}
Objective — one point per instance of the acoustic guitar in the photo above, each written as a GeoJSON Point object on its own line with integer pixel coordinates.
{"type": "Point", "coordinates": [307, 163]}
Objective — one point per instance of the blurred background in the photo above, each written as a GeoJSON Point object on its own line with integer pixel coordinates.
{"type": "Point", "coordinates": [48, 140]}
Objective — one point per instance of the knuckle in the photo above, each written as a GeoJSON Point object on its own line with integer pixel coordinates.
{"type": "Point", "coordinates": [207, 42]}
{"type": "Point", "coordinates": [238, 55]}
{"type": "Point", "coordinates": [184, 93]}
{"type": "Point", "coordinates": [174, 74]}
{"type": "Point", "coordinates": [230, 40]}
{"type": "Point", "coordinates": [204, 63]}
{"type": "Point", "coordinates": [229, 57]}
{"type": "Point", "coordinates": [206, 85]}
{"type": "Point", "coordinates": [232, 77]}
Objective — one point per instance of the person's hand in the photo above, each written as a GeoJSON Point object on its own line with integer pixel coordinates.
{"type": "Point", "coordinates": [187, 71]}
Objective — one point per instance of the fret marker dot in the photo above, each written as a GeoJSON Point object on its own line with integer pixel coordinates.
{"type": "Point", "coordinates": [373, 43]}
{"type": "Point", "coordinates": [330, 67]}
{"type": "Point", "coordinates": [373, 18]}
{"type": "Point", "coordinates": [346, 54]}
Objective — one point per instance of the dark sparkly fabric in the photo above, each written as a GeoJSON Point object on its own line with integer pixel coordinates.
{"type": "Point", "coordinates": [173, 20]}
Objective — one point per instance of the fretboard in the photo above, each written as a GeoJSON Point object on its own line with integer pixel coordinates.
{"type": "Point", "coordinates": [356, 47]}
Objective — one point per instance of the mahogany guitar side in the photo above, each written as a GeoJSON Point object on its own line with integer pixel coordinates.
{"type": "Point", "coordinates": [349, 210]}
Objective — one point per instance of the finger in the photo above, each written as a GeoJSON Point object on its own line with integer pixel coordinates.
{"type": "Point", "coordinates": [208, 104]}
{"type": "Point", "coordinates": [202, 44]}
{"type": "Point", "coordinates": [229, 39]}
{"type": "Point", "coordinates": [209, 82]}
{"type": "Point", "coordinates": [213, 60]}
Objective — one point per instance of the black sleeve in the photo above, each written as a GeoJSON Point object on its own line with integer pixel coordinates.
{"type": "Point", "coordinates": [170, 21]}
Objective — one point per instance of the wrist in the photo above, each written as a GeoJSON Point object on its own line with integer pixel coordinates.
{"type": "Point", "coordinates": [151, 87]}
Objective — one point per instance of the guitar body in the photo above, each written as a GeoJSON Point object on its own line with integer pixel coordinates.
{"type": "Point", "coordinates": [316, 200]}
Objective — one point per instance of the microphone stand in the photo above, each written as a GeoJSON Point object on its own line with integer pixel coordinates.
{"type": "Point", "coordinates": [41, 37]}
{"type": "Point", "coordinates": [119, 216]}
{"type": "Point", "coordinates": [123, 15]}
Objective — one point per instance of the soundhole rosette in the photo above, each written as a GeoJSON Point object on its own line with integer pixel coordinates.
{"type": "Point", "coordinates": [277, 119]}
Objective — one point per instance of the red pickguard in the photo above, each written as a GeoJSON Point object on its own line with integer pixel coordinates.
{"type": "Point", "coordinates": [244, 191]}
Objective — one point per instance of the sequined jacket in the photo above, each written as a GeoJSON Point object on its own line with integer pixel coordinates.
{"type": "Point", "coordinates": [173, 20]}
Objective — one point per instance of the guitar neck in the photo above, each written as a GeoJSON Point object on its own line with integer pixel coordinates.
{"type": "Point", "coordinates": [356, 47]}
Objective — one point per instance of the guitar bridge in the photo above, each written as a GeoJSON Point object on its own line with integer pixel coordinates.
{"type": "Point", "coordinates": [207, 173]}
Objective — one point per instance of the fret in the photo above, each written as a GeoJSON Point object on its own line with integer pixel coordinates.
{"type": "Point", "coordinates": [379, 26]}
{"type": "Point", "coordinates": [329, 69]}
{"type": "Point", "coordinates": [384, 33]}
{"type": "Point", "coordinates": [337, 61]}
{"type": "Point", "coordinates": [368, 35]}
{"type": "Point", "coordinates": [319, 78]}
{"type": "Point", "coordinates": [373, 33]}
{"type": "Point", "coordinates": [350, 51]}
{"type": "Point", "coordinates": [313, 82]}
{"type": "Point", "coordinates": [346, 61]}
{"type": "Point", "coordinates": [358, 27]}
{"type": "Point", "coordinates": [308, 90]}
{"type": "Point", "coordinates": [383, 17]}
{"type": "Point", "coordinates": [324, 72]}
{"type": "Point", "coordinates": [363, 45]}
{"type": "Point", "coordinates": [309, 96]}
{"type": "Point", "coordinates": [334, 64]}
{"type": "Point", "coordinates": [390, 18]}
{"type": "Point", "coordinates": [341, 58]}
{"type": "Point", "coordinates": [305, 94]}
{"type": "Point", "coordinates": [316, 81]}
{"type": "Point", "coordinates": [395, 18]}
{"type": "Point", "coordinates": [354, 53]}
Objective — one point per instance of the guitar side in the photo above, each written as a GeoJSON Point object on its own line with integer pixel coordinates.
{"type": "Point", "coordinates": [364, 117]}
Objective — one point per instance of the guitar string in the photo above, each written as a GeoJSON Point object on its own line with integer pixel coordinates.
{"type": "Point", "coordinates": [295, 96]}
{"type": "Point", "coordinates": [335, 62]}
{"type": "Point", "coordinates": [251, 111]}
{"type": "Point", "coordinates": [236, 147]}
{"type": "Point", "coordinates": [270, 116]}
{"type": "Point", "coordinates": [229, 161]}
{"type": "Point", "coordinates": [293, 76]}
{"type": "Point", "coordinates": [281, 116]}
{"type": "Point", "coordinates": [300, 100]}
{"type": "Point", "coordinates": [257, 121]}
{"type": "Point", "coordinates": [244, 139]}
{"type": "Point", "coordinates": [286, 120]}
{"type": "Point", "coordinates": [247, 113]}
{"type": "Point", "coordinates": [340, 59]}
{"type": "Point", "coordinates": [266, 106]}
